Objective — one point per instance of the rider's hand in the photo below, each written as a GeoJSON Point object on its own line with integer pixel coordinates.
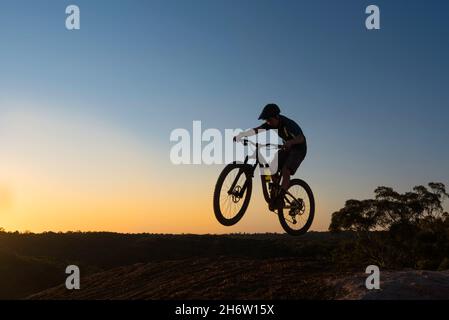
{"type": "Point", "coordinates": [238, 137]}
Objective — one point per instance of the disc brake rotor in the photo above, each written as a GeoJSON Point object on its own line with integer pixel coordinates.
{"type": "Point", "coordinates": [235, 194]}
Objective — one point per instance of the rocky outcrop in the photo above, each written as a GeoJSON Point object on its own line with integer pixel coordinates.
{"type": "Point", "coordinates": [394, 285]}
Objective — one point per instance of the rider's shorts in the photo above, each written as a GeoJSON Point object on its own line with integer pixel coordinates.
{"type": "Point", "coordinates": [291, 159]}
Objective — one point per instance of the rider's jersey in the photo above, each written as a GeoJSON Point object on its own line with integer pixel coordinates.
{"type": "Point", "coordinates": [288, 129]}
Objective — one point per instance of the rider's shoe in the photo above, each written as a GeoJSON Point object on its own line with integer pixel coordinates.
{"type": "Point", "coordinates": [277, 201]}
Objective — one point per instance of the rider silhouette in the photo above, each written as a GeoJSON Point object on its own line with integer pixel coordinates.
{"type": "Point", "coordinates": [293, 152]}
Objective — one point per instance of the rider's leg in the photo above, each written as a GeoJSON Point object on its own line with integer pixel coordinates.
{"type": "Point", "coordinates": [276, 165]}
{"type": "Point", "coordinates": [289, 168]}
{"type": "Point", "coordinates": [276, 178]}
{"type": "Point", "coordinates": [278, 199]}
{"type": "Point", "coordinates": [285, 178]}
{"type": "Point", "coordinates": [292, 164]}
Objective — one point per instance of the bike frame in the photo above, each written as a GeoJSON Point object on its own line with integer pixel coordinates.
{"type": "Point", "coordinates": [250, 169]}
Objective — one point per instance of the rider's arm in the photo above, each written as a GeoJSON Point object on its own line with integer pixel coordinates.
{"type": "Point", "coordinates": [263, 127]}
{"type": "Point", "coordinates": [296, 133]}
{"type": "Point", "coordinates": [252, 132]}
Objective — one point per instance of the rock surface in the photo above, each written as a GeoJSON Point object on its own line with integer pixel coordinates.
{"type": "Point", "coordinates": [396, 285]}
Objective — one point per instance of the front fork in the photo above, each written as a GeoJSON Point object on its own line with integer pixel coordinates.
{"type": "Point", "coordinates": [245, 169]}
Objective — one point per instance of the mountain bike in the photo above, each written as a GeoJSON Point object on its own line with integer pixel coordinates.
{"type": "Point", "coordinates": [233, 190]}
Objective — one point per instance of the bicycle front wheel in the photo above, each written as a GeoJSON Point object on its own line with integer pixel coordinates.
{"type": "Point", "coordinates": [232, 193]}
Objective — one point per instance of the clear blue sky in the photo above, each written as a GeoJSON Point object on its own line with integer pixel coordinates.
{"type": "Point", "coordinates": [374, 105]}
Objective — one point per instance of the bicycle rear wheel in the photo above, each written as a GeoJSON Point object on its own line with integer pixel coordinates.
{"type": "Point", "coordinates": [232, 193]}
{"type": "Point", "coordinates": [297, 215]}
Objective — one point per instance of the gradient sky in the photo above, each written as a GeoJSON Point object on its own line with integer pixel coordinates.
{"type": "Point", "coordinates": [86, 116]}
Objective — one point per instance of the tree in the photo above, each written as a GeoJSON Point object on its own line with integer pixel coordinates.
{"type": "Point", "coordinates": [390, 208]}
{"type": "Point", "coordinates": [413, 228]}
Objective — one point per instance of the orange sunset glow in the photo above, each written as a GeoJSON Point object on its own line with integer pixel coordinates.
{"type": "Point", "coordinates": [65, 173]}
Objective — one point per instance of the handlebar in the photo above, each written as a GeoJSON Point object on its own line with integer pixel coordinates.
{"type": "Point", "coordinates": [260, 145]}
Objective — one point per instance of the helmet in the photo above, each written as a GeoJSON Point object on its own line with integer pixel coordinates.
{"type": "Point", "coordinates": [270, 110]}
